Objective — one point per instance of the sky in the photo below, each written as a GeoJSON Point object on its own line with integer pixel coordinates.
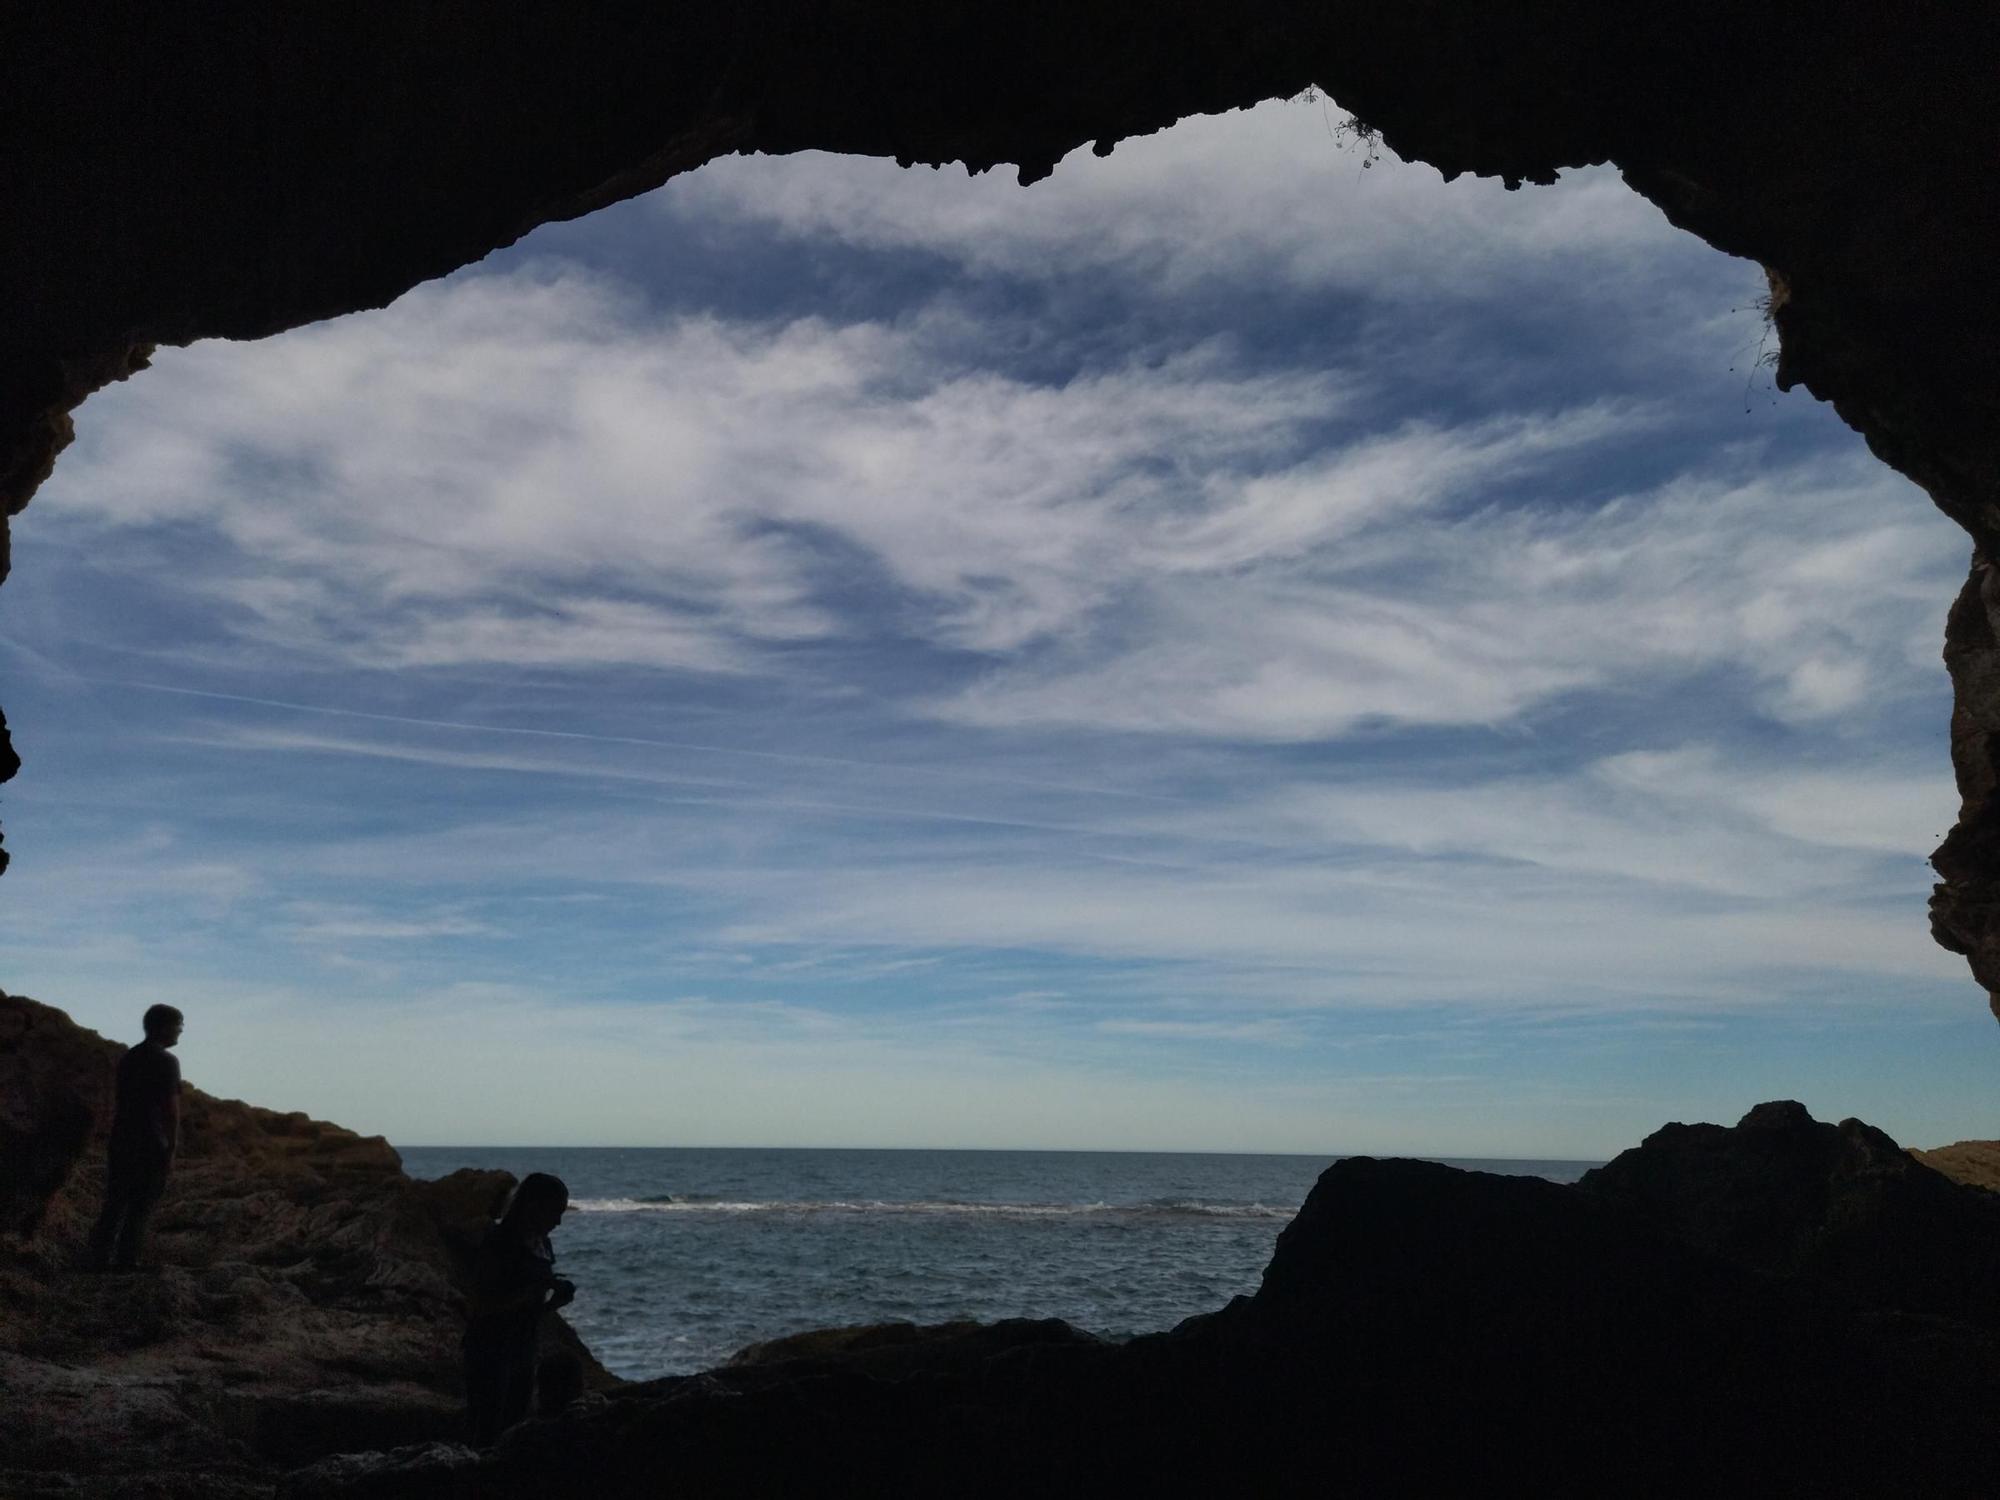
{"type": "Point", "coordinates": [1241, 646]}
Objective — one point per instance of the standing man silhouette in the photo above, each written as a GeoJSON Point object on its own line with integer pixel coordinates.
{"type": "Point", "coordinates": [145, 1133]}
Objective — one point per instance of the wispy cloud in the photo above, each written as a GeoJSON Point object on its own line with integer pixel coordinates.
{"type": "Point", "coordinates": [719, 461]}
{"type": "Point", "coordinates": [1474, 617]}
{"type": "Point", "coordinates": [274, 739]}
{"type": "Point", "coordinates": [317, 923]}
{"type": "Point", "coordinates": [1246, 586]}
{"type": "Point", "coordinates": [1274, 1030]}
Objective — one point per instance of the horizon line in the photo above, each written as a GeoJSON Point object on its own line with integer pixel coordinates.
{"type": "Point", "coordinates": [1336, 1156]}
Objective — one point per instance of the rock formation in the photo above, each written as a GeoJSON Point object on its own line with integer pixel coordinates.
{"type": "Point", "coordinates": [1975, 1163]}
{"type": "Point", "coordinates": [1420, 1330]}
{"type": "Point", "coordinates": [1785, 1305]}
{"type": "Point", "coordinates": [190, 171]}
{"type": "Point", "coordinates": [1841, 1205]}
{"type": "Point", "coordinates": [309, 1301]}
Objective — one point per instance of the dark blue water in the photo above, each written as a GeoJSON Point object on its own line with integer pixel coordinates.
{"type": "Point", "coordinates": [683, 1256]}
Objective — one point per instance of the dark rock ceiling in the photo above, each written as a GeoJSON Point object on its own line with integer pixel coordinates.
{"type": "Point", "coordinates": [202, 170]}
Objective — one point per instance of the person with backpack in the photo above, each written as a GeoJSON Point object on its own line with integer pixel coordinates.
{"type": "Point", "coordinates": [513, 1283]}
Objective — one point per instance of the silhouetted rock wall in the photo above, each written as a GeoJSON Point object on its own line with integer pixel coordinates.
{"type": "Point", "coordinates": [1839, 1204]}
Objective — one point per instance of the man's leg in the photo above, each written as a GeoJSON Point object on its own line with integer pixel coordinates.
{"type": "Point", "coordinates": [482, 1393]}
{"type": "Point", "coordinates": [124, 1182]}
{"type": "Point", "coordinates": [149, 1181]}
{"type": "Point", "coordinates": [110, 1219]}
{"type": "Point", "coordinates": [517, 1386]}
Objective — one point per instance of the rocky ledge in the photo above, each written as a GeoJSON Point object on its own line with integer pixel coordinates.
{"type": "Point", "coordinates": [1783, 1305]}
{"type": "Point", "coordinates": [1974, 1162]}
{"type": "Point", "coordinates": [309, 1297]}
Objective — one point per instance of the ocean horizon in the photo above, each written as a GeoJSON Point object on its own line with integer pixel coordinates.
{"type": "Point", "coordinates": [684, 1255]}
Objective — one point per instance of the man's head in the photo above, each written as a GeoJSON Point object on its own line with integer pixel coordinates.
{"type": "Point", "coordinates": [163, 1025]}
{"type": "Point", "coordinates": [539, 1203]}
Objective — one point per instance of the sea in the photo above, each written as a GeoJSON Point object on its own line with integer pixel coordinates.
{"type": "Point", "coordinates": [681, 1257]}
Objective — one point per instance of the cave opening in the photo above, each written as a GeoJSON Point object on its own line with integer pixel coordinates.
{"type": "Point", "coordinates": [1784, 1305]}
{"type": "Point", "coordinates": [1173, 659]}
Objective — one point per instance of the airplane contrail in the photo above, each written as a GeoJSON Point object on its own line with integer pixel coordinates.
{"type": "Point", "coordinates": [789, 756]}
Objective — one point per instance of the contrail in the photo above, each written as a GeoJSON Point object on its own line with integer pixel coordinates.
{"type": "Point", "coordinates": [480, 761]}
{"type": "Point", "coordinates": [786, 756]}
{"type": "Point", "coordinates": [42, 661]}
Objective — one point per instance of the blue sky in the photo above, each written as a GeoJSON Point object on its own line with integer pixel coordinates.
{"type": "Point", "coordinates": [1229, 648]}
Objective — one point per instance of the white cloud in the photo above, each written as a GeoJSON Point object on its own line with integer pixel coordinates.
{"type": "Point", "coordinates": [1249, 195]}
{"type": "Point", "coordinates": [1430, 614]}
{"type": "Point", "coordinates": [538, 471]}
{"type": "Point", "coordinates": [574, 633]}
{"type": "Point", "coordinates": [460, 479]}
{"type": "Point", "coordinates": [1358, 932]}
{"type": "Point", "coordinates": [1860, 807]}
{"type": "Point", "coordinates": [317, 923]}
{"type": "Point", "coordinates": [1155, 547]}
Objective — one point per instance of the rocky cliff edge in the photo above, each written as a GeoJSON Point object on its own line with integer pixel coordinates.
{"type": "Point", "coordinates": [309, 1297]}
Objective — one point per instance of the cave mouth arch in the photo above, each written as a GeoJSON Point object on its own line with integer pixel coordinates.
{"type": "Point", "coordinates": [236, 184]}
{"type": "Point", "coordinates": [1721, 381]}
